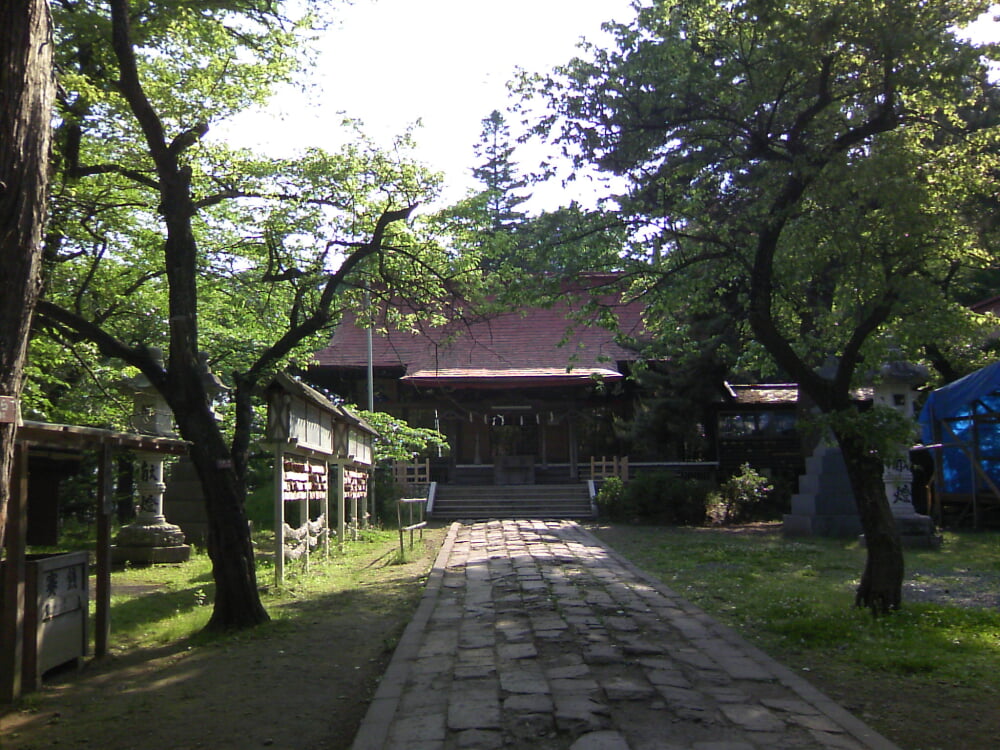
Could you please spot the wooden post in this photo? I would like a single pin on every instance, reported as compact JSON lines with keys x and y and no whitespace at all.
{"x":356,"y":525}
{"x":102,"y":593}
{"x":574,"y":449}
{"x":279,"y":513}
{"x":938,"y":476}
{"x":974,"y":460}
{"x":369,"y":498}
{"x":12,"y":620}
{"x":338,"y":486}
{"x":325,"y":501}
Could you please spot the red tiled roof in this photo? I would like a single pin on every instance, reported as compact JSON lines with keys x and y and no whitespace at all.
{"x":534,"y":346}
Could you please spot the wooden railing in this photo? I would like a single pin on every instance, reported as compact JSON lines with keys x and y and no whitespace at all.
{"x":604,"y":467}
{"x":411,"y":473}
{"x":420,"y":503}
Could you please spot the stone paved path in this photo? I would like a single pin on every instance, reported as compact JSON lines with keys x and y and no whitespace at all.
{"x":532,"y":634}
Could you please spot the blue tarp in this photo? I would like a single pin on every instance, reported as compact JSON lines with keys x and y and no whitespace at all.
{"x":947,"y":417}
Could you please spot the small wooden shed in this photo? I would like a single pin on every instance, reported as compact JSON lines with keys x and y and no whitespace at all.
{"x":758,"y":424}
{"x":21,"y":664}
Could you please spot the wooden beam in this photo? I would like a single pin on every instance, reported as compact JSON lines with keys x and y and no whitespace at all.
{"x":972,"y":453}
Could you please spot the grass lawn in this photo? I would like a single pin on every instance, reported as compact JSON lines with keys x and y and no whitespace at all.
{"x":927,"y":676}
{"x":160,"y":604}
{"x":304,"y":679}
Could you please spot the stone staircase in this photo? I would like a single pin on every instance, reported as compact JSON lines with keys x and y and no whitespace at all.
{"x":512,"y":501}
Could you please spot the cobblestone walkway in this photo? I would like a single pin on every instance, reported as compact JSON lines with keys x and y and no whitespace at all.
{"x":532,"y":634}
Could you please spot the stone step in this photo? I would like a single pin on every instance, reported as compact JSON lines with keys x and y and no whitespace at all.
{"x":539,"y":512}
{"x":512,"y":501}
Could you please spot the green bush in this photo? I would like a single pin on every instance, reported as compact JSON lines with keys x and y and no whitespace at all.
{"x":738,"y":498}
{"x":654,"y":497}
{"x":610,"y":497}
{"x":387,"y":492}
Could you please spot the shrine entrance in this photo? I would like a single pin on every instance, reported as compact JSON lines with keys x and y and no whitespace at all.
{"x":513,"y":447}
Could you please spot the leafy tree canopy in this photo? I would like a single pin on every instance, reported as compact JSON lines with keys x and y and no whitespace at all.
{"x":161,"y":240}
{"x":397,"y":440}
{"x":270,"y":231}
{"x":818,"y":163}
{"x":809,"y":172}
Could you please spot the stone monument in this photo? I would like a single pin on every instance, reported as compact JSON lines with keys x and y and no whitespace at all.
{"x":824,"y":505}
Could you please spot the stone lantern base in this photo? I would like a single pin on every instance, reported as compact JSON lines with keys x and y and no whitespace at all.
{"x":159,"y":542}
{"x":917,"y":531}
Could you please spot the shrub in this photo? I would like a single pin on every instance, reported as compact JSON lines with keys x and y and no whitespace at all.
{"x":387,"y":492}
{"x":739,"y":497}
{"x":610,"y":498}
{"x":663,"y":497}
{"x":260,"y":506}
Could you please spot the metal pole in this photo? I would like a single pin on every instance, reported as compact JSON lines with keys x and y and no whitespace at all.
{"x":370,"y":494}
{"x":371,"y":365}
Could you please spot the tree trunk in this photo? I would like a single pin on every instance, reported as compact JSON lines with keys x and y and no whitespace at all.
{"x":26,"y":91}
{"x":881,"y":588}
{"x":237,"y":601}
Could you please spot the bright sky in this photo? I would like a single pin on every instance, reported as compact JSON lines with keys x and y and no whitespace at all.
{"x":443,"y":62}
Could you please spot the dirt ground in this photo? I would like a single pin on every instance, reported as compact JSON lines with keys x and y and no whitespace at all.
{"x":304,"y":685}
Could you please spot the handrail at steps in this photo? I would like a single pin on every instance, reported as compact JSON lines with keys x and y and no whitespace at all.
{"x":410,"y":503}
{"x":592,"y":496}
{"x":431,"y":494}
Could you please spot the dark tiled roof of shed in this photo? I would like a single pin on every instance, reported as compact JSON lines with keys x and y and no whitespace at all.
{"x":989,"y":305}
{"x":765,"y":393}
{"x":779,"y":393}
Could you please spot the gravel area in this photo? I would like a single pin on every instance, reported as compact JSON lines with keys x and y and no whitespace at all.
{"x":966,"y":588}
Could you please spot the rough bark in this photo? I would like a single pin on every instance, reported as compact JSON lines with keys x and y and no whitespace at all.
{"x":26,"y":91}
{"x":881,"y":584}
{"x":237,"y":602}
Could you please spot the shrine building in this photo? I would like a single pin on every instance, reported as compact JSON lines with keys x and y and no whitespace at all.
{"x":523,"y":397}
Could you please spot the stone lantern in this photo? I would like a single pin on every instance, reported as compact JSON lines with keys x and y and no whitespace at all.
{"x":214,"y":387}
{"x":150,"y":538}
{"x":896,"y":389}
